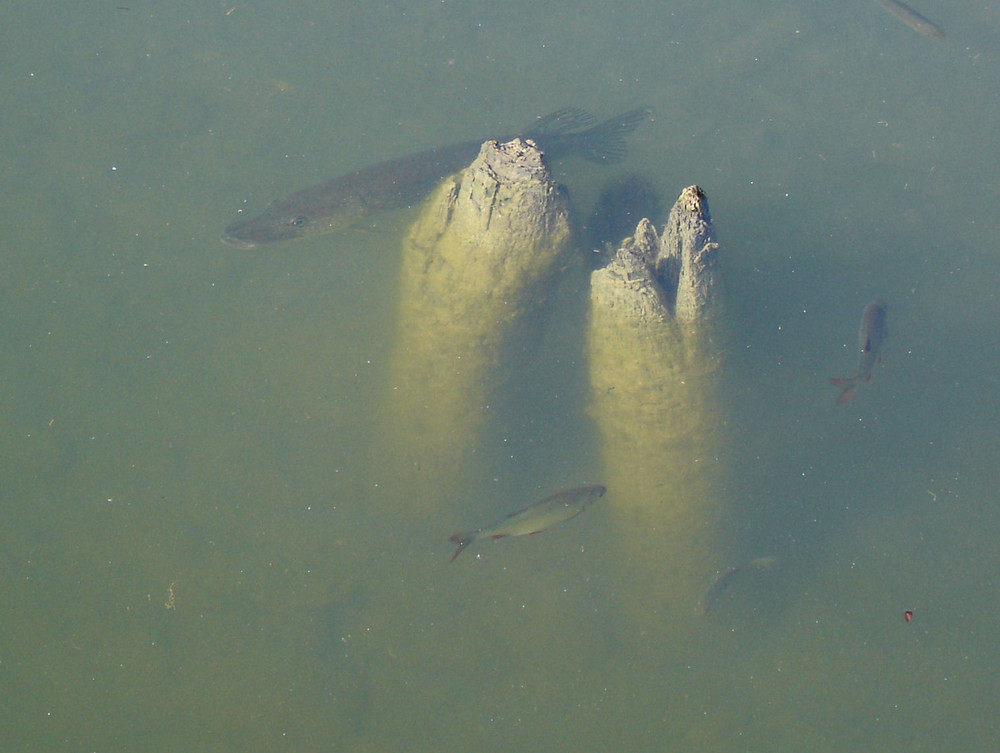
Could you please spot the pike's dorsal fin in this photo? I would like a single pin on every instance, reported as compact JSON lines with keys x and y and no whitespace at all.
{"x":605,"y":142}
{"x":566,"y":120}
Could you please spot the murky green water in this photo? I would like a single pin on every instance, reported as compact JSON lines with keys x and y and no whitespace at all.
{"x":201,"y":544}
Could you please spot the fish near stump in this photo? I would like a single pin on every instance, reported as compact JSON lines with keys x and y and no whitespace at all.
{"x":475,"y":268}
{"x":653,"y":359}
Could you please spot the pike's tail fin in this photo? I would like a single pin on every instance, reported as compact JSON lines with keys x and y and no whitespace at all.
{"x":849,"y":386}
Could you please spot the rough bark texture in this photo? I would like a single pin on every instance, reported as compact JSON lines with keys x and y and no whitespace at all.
{"x":653,"y":363}
{"x":474,"y":272}
{"x":688,"y":249}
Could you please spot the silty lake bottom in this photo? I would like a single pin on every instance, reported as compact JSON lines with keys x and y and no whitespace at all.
{"x":202,"y":544}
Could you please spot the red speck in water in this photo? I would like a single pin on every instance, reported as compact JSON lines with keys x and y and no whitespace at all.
{"x":907,"y":615}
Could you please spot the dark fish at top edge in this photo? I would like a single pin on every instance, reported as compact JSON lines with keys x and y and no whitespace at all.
{"x":911,"y":18}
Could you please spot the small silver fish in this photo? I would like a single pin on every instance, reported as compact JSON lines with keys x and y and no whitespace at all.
{"x":871,"y":335}
{"x":550,"y":512}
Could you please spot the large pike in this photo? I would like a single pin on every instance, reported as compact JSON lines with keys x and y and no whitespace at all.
{"x":550,"y":512}
{"x":871,"y":335}
{"x":404,"y":181}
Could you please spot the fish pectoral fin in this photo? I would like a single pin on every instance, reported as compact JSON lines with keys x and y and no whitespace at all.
{"x":463,"y":540}
{"x":458,"y":551}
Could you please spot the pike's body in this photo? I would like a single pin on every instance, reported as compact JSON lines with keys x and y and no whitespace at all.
{"x":404,"y":181}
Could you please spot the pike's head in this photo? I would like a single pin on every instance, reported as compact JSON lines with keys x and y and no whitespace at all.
{"x":288,"y":219}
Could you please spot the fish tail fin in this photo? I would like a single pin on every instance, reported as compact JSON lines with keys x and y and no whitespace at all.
{"x":849,"y":386}
{"x":604,"y":143}
{"x":463,"y":540}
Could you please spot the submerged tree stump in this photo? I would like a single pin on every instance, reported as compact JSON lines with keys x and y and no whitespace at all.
{"x":474,"y":272}
{"x":654,"y":359}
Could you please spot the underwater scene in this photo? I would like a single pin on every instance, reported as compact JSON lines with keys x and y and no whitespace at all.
{"x":432,"y":376}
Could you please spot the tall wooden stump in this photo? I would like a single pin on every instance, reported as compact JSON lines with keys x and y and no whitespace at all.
{"x":654,"y":359}
{"x":474,"y":272}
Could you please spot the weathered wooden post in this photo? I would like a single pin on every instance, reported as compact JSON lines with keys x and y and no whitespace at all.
{"x":654,"y":358}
